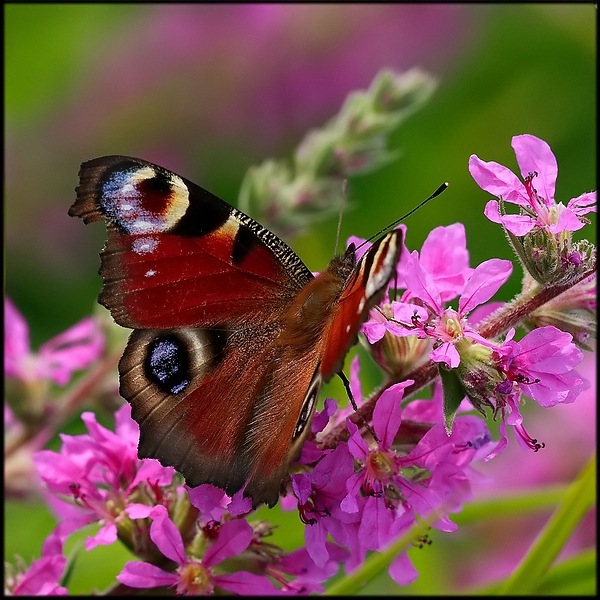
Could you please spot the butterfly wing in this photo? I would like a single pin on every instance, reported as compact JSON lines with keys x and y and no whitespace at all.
{"x":205,"y":287}
{"x":178,"y":256}
{"x":221,"y":406}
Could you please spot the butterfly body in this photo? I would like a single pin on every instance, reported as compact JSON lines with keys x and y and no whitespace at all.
{"x":233,"y":336}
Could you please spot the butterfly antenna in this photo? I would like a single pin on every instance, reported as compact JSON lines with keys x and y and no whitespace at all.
{"x":440,"y":189}
{"x":346,"y":383}
{"x":342,"y":208}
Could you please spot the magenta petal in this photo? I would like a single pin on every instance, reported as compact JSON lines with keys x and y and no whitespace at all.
{"x":373,"y":331}
{"x":498,"y":180}
{"x":567,"y":221}
{"x":144,"y":575}
{"x":492,"y":211}
{"x":583,"y":204}
{"x":70,"y":351}
{"x":246,"y":584}
{"x":106,"y":536}
{"x":234,"y":538}
{"x":355,"y":383}
{"x":420,"y":283}
{"x":209,"y":500}
{"x":375,"y":524}
{"x":152,"y":471}
{"x":55,"y":541}
{"x":444,"y":253}
{"x":485,"y":281}
{"x":302,"y":487}
{"x":387,"y":413}
{"x":535,"y":156}
{"x":548,"y":349}
{"x":42,"y":577}
{"x":518,"y":225}
{"x":166,"y":536}
{"x":353,"y":485}
{"x":357,"y":445}
{"x":240,"y":504}
{"x":315,"y":537}
{"x":446,"y":353}
{"x":137,"y":510}
{"x":402,"y":571}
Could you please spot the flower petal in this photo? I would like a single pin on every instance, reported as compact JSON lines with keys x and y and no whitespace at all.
{"x":485,"y":281}
{"x":498,"y":180}
{"x":387,"y":414}
{"x":70,"y":351}
{"x":402,"y":570}
{"x":16,"y":339}
{"x":535,"y":155}
{"x":144,"y":575}
{"x":583,"y":204}
{"x":246,"y":584}
{"x":165,"y":534}
{"x":234,"y":538}
{"x":446,"y":353}
{"x":518,"y":225}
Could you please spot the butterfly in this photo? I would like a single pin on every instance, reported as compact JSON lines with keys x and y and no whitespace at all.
{"x":232,"y":335}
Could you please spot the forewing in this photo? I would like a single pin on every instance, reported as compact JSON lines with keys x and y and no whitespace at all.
{"x":177,"y":255}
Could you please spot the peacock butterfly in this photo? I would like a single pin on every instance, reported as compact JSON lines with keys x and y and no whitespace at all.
{"x":232,"y":334}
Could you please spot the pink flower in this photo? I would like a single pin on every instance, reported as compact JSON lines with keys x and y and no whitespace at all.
{"x":319,"y":494}
{"x":382,"y":492}
{"x":444,"y":257}
{"x":542,"y":365}
{"x":446,"y":326}
{"x":57,"y":359}
{"x":193,"y":575}
{"x":535,"y":194}
{"x":41,"y":579}
{"x":100,"y":472}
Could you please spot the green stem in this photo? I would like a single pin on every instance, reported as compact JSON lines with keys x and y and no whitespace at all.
{"x":578,"y":570}
{"x":380,"y":561}
{"x":579,"y":498}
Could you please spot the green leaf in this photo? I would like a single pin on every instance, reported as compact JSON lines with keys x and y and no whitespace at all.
{"x":580,"y":497}
{"x":454,"y":393}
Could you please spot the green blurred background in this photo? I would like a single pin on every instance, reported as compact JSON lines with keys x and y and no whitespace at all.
{"x":209,"y":90}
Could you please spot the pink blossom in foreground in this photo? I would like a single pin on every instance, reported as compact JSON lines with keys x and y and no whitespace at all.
{"x":448,"y":327}
{"x":42,"y":578}
{"x":99,"y":472}
{"x":363,"y":495}
{"x":196,"y":575}
{"x":535,"y":194}
{"x":444,"y":256}
{"x":57,"y":359}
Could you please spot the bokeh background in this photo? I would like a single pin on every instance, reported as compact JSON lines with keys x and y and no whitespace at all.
{"x":209,"y":90}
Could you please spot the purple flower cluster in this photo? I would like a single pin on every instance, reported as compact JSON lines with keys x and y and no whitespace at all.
{"x":358,"y":494}
{"x":364,"y":493}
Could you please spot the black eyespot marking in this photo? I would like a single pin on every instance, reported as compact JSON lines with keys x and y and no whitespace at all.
{"x":307,"y":407}
{"x":243,"y":243}
{"x":168,"y":364}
